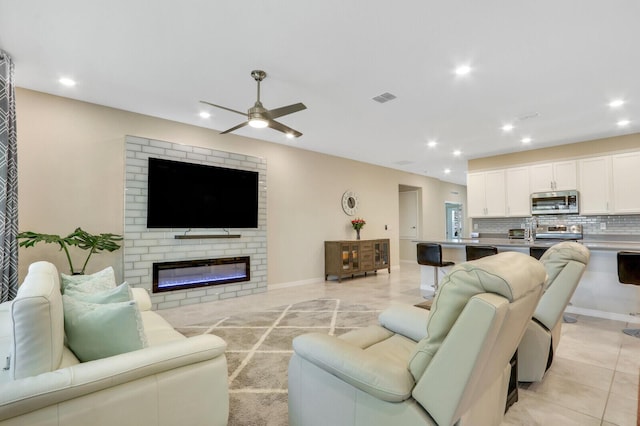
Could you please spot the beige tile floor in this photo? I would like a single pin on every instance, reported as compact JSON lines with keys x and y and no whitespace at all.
{"x":593,"y":380}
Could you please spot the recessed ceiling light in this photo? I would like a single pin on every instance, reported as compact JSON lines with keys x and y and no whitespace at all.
{"x":67,"y":82}
{"x":432,"y":144}
{"x":623,"y":123}
{"x":616,"y":103}
{"x":447,"y":171}
{"x":205,"y":114}
{"x":526,"y":139}
{"x":289,"y":135}
{"x":457,"y":153}
{"x":507,"y":127}
{"x":463,"y":70}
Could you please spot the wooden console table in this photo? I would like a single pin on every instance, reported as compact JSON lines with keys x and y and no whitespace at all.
{"x":351,"y":257}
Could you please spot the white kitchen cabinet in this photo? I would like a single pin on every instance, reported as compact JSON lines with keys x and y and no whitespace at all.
{"x":558,"y":176}
{"x":595,"y":185}
{"x":625,"y":169}
{"x":486,"y":194}
{"x":476,"y":201}
{"x":518,"y":201}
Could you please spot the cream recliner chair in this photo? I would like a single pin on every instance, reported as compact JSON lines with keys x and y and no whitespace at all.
{"x":565,"y":263}
{"x":417,"y":367}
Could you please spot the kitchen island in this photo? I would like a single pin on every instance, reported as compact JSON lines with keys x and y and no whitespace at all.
{"x":599,"y":292}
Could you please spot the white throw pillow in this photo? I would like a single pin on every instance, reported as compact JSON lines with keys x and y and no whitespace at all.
{"x":122,"y":293}
{"x":99,"y":281}
{"x":96,"y":331}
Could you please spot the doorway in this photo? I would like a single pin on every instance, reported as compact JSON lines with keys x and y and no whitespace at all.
{"x":409,"y":215}
{"x":409,"y":221}
{"x":453,"y":215}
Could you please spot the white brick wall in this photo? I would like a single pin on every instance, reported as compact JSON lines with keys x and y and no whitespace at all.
{"x":143,"y":247}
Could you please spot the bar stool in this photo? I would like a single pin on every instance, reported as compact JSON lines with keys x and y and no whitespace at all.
{"x":629,"y":273}
{"x":476,"y":252}
{"x":537,"y":252}
{"x":430,"y":254}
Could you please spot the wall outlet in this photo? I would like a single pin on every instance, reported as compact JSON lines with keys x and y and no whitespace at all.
{"x":603,"y":226}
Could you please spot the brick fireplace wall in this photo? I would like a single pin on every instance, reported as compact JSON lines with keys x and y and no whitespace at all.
{"x":143,"y":247}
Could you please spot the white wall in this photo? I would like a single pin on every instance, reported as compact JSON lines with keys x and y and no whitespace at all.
{"x":71,"y":173}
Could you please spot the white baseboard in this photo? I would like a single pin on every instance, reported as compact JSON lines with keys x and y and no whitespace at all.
{"x":296,"y":283}
{"x":602,"y":314}
{"x":312,"y":281}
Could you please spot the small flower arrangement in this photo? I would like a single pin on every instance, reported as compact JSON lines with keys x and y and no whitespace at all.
{"x":358,"y":223}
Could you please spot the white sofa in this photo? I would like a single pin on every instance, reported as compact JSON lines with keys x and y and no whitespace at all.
{"x":174,"y":381}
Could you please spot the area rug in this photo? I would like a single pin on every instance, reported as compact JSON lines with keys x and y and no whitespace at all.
{"x":260,"y":346}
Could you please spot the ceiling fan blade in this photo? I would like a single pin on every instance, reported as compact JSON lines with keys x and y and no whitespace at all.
{"x":284,"y":129}
{"x":228,"y":109}
{"x":235,"y":128}
{"x":289,"y":109}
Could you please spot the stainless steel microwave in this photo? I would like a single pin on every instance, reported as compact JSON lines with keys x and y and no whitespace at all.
{"x":558,"y":202}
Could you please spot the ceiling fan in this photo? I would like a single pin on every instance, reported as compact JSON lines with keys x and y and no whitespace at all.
{"x":260,"y":117}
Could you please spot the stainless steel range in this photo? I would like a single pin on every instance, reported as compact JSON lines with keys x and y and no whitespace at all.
{"x":559,"y":232}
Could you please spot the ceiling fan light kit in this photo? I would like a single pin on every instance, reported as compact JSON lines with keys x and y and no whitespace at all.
{"x":258,"y":123}
{"x":259,"y":117}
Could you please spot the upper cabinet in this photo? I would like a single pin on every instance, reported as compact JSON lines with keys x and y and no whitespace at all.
{"x":595,"y":185}
{"x":553,"y":176}
{"x":486,"y":194}
{"x":517,"y":196}
{"x":607,"y":185}
{"x":626,"y":190}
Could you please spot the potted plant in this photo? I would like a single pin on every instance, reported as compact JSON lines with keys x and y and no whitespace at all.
{"x":79,"y":238}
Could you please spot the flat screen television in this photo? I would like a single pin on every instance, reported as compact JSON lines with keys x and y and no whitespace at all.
{"x":188,"y":195}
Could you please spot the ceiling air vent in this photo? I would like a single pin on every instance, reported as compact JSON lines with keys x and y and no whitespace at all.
{"x":528,"y":116}
{"x":385,"y":97}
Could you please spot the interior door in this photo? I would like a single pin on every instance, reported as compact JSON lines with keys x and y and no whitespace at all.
{"x":409,"y":215}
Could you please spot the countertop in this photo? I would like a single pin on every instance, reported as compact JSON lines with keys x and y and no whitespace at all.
{"x":592,"y":244}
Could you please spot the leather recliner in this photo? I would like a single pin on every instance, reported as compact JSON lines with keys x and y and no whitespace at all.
{"x":565,"y":263}
{"x":418,"y":367}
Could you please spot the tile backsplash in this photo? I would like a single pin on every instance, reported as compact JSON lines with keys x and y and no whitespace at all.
{"x":597,"y":226}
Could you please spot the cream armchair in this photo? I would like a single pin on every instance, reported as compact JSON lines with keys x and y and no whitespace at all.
{"x":416,"y":367}
{"x":565,"y":263}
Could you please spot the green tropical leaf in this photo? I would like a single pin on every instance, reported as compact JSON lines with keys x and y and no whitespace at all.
{"x":79,"y":238}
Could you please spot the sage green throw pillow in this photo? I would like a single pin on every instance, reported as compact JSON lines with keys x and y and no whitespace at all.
{"x":99,"y":281}
{"x":122,"y":293}
{"x":96,"y":331}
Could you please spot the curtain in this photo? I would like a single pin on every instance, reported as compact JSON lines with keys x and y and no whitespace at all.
{"x":8,"y":182}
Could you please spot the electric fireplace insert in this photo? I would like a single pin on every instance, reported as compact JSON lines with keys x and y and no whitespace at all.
{"x":170,"y":276}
